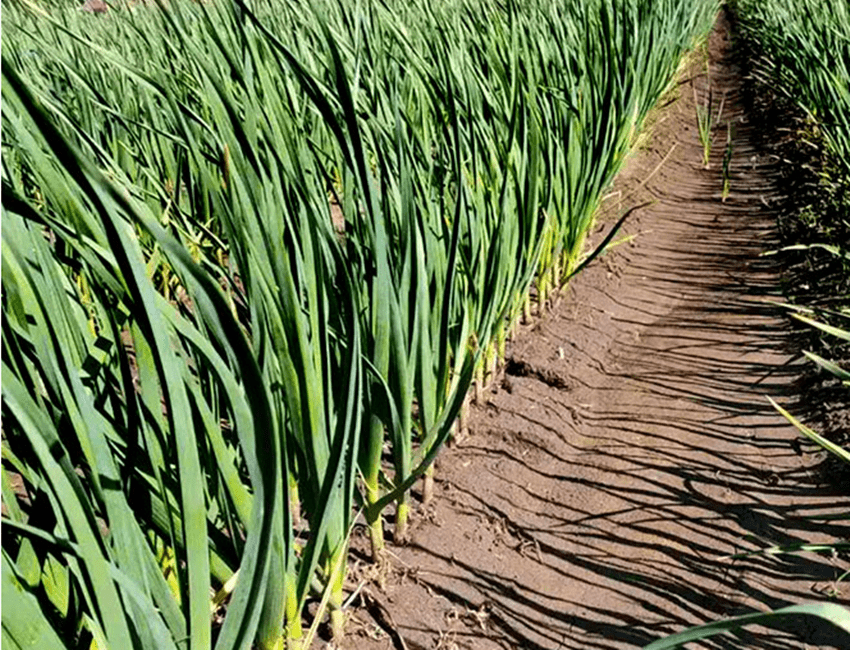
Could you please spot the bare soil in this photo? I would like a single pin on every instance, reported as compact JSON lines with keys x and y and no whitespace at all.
{"x":628,"y":449}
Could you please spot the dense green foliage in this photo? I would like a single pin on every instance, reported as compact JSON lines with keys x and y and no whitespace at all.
{"x":807,"y":43}
{"x":204,"y":381}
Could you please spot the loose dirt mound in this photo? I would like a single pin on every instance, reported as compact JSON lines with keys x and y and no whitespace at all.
{"x":630,"y":446}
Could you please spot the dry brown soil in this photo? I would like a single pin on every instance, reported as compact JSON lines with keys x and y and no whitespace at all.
{"x":629,"y":447}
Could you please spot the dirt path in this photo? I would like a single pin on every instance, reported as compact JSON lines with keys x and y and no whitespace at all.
{"x":630,"y":445}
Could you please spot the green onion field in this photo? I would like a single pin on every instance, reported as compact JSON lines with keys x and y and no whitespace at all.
{"x":331,"y":323}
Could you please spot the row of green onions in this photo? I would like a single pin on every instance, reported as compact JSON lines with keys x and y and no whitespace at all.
{"x":805,"y":47}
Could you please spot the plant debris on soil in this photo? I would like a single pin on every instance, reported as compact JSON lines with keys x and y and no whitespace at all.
{"x":629,"y":450}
